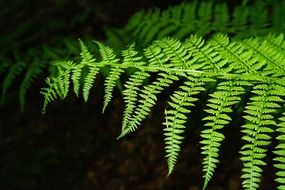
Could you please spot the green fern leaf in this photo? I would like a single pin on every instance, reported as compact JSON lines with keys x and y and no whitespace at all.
{"x":176,"y":117}
{"x":226,"y":95}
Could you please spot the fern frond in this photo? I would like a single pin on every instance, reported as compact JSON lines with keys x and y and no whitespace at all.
{"x":219,"y":107}
{"x":233,"y":65}
{"x":169,"y":18}
{"x":257,"y":131}
{"x":176,"y":117}
{"x":280,"y":154}
{"x":203,"y":18}
{"x":88,"y":60}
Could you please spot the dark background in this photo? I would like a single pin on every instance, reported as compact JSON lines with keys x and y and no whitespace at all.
{"x":73,"y":146}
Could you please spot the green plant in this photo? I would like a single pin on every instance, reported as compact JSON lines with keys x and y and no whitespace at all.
{"x":230,"y":56}
{"x":250,"y":66}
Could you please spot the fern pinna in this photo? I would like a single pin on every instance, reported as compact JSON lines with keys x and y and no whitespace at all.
{"x":250,"y":66}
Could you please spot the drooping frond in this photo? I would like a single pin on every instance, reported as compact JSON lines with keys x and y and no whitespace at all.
{"x":204,"y":15}
{"x":257,"y":131}
{"x":240,"y":18}
{"x":86,"y":59}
